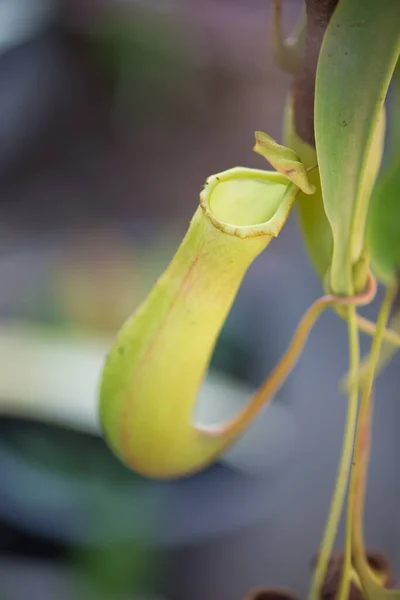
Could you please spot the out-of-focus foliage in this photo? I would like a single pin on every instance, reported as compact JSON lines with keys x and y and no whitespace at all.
{"x":145,"y":56}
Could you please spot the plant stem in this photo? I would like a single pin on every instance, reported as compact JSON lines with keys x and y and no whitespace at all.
{"x":336,"y":507}
{"x":363,"y":440}
{"x":353,"y":402}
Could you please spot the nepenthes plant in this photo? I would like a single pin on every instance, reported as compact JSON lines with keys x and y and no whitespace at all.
{"x":343,"y":58}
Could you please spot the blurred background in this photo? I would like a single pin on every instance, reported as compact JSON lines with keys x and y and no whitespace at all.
{"x":112,"y":115}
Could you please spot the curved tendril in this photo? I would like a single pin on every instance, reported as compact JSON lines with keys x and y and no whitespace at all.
{"x":289,"y":359}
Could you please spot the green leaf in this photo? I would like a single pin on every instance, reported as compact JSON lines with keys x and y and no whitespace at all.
{"x":384,"y":225}
{"x":314,"y":224}
{"x":357,"y":59}
{"x":383,"y":233}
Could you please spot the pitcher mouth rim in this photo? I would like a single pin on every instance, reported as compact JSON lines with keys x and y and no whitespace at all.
{"x":272,"y":226}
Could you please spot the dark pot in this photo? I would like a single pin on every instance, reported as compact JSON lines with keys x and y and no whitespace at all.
{"x":271,"y":594}
{"x":377,"y":561}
